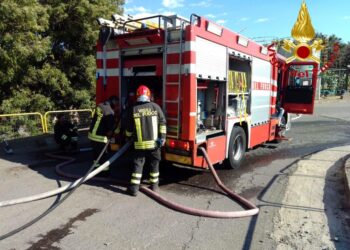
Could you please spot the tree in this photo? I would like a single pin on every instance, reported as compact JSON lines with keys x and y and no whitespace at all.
{"x":329,"y":42}
{"x":345,"y":56}
{"x":333,"y":78}
{"x":345,"y":61}
{"x":23,"y":46}
{"x":47,"y":53}
{"x":74,"y":33}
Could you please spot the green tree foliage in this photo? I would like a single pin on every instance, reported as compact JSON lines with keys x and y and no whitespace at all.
{"x":345,"y":62}
{"x":329,"y":42}
{"x":74,"y":33}
{"x":345,"y":55}
{"x":337,"y":76}
{"x":47,"y":53}
{"x":22,"y":44}
{"x":329,"y":80}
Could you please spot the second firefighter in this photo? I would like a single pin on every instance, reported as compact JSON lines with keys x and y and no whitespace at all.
{"x":147,"y":125}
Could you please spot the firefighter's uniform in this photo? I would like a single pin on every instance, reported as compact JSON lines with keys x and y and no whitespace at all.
{"x":102,"y":124}
{"x":147,"y":125}
{"x":66,"y":134}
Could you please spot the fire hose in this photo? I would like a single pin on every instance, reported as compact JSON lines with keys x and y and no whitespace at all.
{"x":252,"y":209}
{"x":72,"y":185}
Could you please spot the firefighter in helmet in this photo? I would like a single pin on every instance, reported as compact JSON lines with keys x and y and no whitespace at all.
{"x":66,"y":134}
{"x":101,"y":128}
{"x":147,"y":125}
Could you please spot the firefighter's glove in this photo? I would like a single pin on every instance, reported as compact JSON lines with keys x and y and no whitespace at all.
{"x":64,"y":137}
{"x":160,"y":142}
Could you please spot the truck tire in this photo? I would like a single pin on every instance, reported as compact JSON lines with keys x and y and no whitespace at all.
{"x":237,"y":147}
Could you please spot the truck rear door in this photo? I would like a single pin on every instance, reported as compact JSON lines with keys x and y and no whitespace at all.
{"x":298,"y":87}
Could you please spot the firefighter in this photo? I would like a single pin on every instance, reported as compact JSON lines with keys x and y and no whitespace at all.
{"x":101,"y":128}
{"x":146,"y":124}
{"x":121,"y":121}
{"x":66,"y":134}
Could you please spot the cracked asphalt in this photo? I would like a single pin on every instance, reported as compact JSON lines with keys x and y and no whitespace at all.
{"x":101,"y":216}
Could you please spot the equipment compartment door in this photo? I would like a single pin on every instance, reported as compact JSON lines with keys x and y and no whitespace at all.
{"x":299,"y":85}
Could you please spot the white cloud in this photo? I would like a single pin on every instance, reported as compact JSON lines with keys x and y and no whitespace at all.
{"x":243,"y":19}
{"x":135,"y":10}
{"x":220,"y":21}
{"x":205,"y":4}
{"x":173,"y":3}
{"x":262,"y":20}
{"x":210,"y":16}
{"x":128,"y":1}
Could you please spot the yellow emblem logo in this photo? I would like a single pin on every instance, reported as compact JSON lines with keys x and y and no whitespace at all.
{"x":303,"y":32}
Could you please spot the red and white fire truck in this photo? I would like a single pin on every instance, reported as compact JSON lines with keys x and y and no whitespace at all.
{"x":218,"y":89}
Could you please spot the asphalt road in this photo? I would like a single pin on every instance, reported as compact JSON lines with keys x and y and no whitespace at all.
{"x":100,"y":216}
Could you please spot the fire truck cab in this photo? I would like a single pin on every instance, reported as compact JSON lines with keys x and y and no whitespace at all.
{"x":217,"y":88}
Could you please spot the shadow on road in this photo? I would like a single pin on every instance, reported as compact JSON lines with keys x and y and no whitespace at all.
{"x":31,"y":152}
{"x":336,"y":209}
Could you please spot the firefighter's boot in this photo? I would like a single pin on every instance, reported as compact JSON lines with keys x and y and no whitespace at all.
{"x":154,"y":187}
{"x":133,"y":190}
{"x":154,"y":180}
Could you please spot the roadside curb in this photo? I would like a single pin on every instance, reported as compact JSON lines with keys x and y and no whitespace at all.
{"x":334,"y":118}
{"x":347,"y":180}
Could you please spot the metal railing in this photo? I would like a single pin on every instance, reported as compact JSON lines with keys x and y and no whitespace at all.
{"x":79,"y":117}
{"x":20,"y":125}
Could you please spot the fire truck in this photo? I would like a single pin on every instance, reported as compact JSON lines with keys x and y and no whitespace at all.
{"x":217,"y":88}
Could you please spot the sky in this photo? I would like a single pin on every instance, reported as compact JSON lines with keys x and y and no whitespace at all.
{"x":260,"y":20}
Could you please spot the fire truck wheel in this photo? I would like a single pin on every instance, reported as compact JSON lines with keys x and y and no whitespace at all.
{"x":237,"y":147}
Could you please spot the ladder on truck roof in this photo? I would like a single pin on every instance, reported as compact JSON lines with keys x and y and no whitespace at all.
{"x":173,"y":27}
{"x":172,"y":89}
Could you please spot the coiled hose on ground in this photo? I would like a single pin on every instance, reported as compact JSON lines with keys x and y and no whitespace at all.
{"x":72,"y":185}
{"x":252,"y":209}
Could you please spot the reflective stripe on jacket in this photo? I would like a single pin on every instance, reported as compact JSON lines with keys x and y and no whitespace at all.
{"x":102,"y":122}
{"x":147,"y":124}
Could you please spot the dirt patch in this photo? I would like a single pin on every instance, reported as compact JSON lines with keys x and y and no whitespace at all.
{"x":15,"y":170}
{"x":56,"y":235}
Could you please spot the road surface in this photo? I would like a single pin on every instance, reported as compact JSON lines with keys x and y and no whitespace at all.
{"x":99,"y":216}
